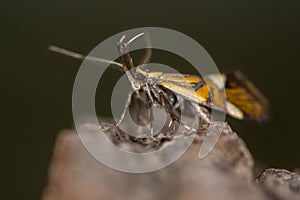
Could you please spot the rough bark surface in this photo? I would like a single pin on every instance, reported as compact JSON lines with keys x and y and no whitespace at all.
{"x":280,"y":183}
{"x":226,"y":173}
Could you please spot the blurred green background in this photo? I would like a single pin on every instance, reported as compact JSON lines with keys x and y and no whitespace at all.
{"x":261,"y":38}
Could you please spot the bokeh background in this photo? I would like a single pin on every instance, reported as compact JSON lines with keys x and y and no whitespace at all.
{"x":261,"y":38}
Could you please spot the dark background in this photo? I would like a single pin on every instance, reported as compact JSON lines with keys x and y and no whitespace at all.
{"x":261,"y":38}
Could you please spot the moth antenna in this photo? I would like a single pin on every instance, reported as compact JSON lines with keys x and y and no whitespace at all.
{"x":122,"y":39}
{"x":81,"y":56}
{"x":135,"y":37}
{"x":146,"y":58}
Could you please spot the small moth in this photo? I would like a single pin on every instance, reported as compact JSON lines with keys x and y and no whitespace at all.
{"x":167,"y":90}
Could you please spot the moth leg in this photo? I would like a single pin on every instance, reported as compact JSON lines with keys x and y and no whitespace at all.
{"x":168,"y":107}
{"x":170,"y":110}
{"x":150,"y":103}
{"x":148,"y":53}
{"x":146,"y":57}
{"x":201,"y":113}
{"x":128,"y":102}
{"x":148,"y":92}
{"x":179,"y":104}
{"x":151,"y":124}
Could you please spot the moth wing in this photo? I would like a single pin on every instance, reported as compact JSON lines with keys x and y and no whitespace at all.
{"x":244,"y":95}
{"x":194,"y":89}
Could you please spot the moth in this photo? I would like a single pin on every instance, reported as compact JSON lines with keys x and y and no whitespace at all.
{"x":168,"y":90}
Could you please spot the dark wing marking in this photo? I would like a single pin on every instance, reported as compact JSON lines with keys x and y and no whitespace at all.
{"x":243,"y":94}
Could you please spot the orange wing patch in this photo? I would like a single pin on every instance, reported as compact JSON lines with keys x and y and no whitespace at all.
{"x":195,"y":89}
{"x":243,"y":94}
